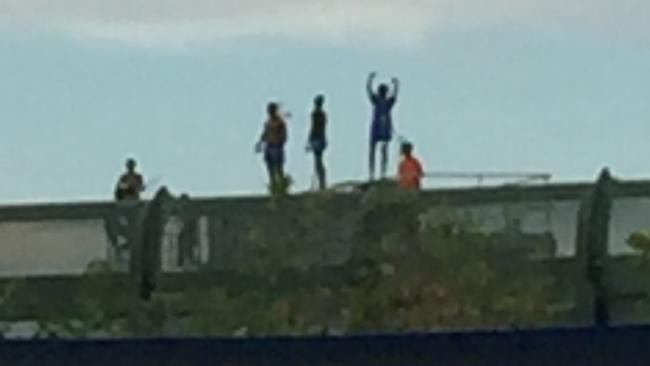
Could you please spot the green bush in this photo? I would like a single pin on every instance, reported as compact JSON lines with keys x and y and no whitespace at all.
{"x":413,"y":269}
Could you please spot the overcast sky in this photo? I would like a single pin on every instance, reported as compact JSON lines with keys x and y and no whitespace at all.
{"x":507,"y":85}
{"x":168,"y":21}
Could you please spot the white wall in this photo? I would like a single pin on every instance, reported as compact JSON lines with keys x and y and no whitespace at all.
{"x":50,"y":247}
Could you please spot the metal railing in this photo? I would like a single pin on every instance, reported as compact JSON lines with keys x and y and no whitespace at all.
{"x":480,"y":177}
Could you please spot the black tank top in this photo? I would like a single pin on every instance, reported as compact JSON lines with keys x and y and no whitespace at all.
{"x":318,"y":122}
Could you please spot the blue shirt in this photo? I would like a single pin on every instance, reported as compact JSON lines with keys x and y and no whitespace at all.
{"x":382,"y":109}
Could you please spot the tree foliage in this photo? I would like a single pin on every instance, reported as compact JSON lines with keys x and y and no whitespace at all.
{"x":412,"y":268}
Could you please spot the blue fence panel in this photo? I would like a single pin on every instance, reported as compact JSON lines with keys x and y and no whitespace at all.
{"x":558,"y":347}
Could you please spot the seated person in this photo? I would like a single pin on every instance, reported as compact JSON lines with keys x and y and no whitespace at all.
{"x":130,"y":184}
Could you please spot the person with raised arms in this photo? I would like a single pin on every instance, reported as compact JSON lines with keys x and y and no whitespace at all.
{"x":381,"y":127}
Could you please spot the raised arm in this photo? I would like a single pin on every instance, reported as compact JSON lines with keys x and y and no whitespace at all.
{"x":395,"y":82}
{"x":369,"y":84}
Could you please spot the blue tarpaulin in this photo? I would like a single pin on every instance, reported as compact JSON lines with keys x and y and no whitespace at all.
{"x":571,"y":346}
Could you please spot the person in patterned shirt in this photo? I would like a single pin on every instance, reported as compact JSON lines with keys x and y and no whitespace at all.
{"x":272,"y":142}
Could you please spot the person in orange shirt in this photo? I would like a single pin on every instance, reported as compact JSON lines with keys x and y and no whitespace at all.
{"x":410,"y":169}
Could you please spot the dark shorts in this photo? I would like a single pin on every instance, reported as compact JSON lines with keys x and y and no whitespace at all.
{"x":318,"y":146}
{"x":274,"y":156}
{"x":380,"y":133}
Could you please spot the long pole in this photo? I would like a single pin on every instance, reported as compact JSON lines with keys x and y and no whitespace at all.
{"x":481,"y":176}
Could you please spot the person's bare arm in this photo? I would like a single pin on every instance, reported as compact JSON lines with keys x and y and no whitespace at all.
{"x":259,"y":145}
{"x":142,"y":184}
{"x":285,"y":134}
{"x":395,"y":82}
{"x":369,"y":85}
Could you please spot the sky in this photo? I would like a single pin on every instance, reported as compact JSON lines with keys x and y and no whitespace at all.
{"x":558,"y":86}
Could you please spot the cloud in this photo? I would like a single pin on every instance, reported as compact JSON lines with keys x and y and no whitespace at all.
{"x":173,"y":20}
{"x":156,"y":21}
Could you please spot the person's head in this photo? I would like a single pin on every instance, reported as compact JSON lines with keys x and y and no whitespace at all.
{"x":407,"y":149}
{"x":319,"y":101}
{"x":272,"y":109}
{"x":131,"y":165}
{"x":383,"y":90}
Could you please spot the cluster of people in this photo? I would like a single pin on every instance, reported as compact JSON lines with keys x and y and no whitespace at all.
{"x":383,"y":100}
{"x":275,"y":135}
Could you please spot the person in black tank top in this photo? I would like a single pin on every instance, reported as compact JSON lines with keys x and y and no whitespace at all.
{"x":317,"y":140}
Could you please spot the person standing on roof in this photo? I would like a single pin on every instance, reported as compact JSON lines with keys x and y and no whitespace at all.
{"x":317,"y":141}
{"x":381,"y":129}
{"x":272,"y":141}
{"x":410,"y":169}
{"x":131,"y":184}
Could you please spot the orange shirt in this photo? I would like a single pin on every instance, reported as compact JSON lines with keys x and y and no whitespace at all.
{"x":410,"y":173}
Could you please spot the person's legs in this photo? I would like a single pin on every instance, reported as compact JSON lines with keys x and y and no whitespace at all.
{"x":280,"y":176}
{"x":271,"y":167}
{"x":384,"y":158}
{"x":277,"y":177}
{"x":320,"y":168}
{"x":270,"y":170}
{"x":371,"y":158}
